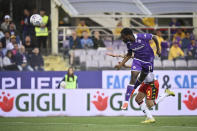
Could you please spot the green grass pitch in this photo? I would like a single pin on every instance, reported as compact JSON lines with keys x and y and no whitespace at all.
{"x":186,"y":123}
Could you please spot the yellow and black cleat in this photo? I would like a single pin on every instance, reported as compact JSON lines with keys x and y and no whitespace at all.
{"x":170,"y":93}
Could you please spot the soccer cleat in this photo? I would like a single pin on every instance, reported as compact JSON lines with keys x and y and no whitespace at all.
{"x":125,"y":105}
{"x":169,"y":93}
{"x":150,"y":120}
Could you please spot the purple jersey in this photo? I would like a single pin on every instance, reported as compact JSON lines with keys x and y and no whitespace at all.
{"x":141,"y":47}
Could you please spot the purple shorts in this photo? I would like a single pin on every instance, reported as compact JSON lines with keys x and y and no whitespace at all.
{"x":139,"y":65}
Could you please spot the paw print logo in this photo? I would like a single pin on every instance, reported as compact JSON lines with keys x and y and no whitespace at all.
{"x":101,"y":102}
{"x":191,"y":103}
{"x":6,"y":103}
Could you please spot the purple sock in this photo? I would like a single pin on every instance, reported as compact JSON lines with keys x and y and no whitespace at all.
{"x":137,"y":83}
{"x":130,"y":88}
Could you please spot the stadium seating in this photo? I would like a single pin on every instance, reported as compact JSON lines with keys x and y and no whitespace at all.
{"x":92,"y":65}
{"x":192,"y":64}
{"x":168,"y":64}
{"x":97,"y":60}
{"x":158,"y":64}
{"x":105,"y":65}
{"x":55,"y":63}
{"x":181,"y":64}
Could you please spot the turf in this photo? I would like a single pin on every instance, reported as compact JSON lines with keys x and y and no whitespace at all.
{"x":186,"y":123}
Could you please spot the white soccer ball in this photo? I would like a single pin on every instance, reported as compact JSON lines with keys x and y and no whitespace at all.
{"x":36,"y":19}
{"x":63,"y":84}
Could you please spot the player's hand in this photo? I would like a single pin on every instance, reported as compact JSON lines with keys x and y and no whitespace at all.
{"x":158,"y":52}
{"x":118,"y":66}
{"x":111,"y":54}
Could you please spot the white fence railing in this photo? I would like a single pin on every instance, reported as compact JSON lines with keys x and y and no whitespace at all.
{"x":64,"y":32}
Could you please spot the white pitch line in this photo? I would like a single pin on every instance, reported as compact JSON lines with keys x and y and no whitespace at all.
{"x":92,"y":124}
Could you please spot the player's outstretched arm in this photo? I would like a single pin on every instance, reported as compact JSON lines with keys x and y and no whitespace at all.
{"x":157,"y":45}
{"x":117,"y":55}
{"x":114,"y":55}
{"x":126,"y":58}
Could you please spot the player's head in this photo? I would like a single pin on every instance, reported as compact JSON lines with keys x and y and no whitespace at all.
{"x":127,"y":35}
{"x":70,"y":71}
{"x":42,"y":12}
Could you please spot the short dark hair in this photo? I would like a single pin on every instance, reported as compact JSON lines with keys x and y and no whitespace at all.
{"x":42,"y":9}
{"x":126,"y":31}
{"x":9,"y":51}
{"x":6,"y":32}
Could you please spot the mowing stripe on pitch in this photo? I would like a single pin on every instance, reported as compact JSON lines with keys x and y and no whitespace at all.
{"x":91,"y":124}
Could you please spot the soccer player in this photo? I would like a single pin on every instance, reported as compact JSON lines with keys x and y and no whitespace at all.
{"x":142,"y":61}
{"x":149,"y":89}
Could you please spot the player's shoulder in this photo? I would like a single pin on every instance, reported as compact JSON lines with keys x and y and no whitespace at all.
{"x":143,"y":35}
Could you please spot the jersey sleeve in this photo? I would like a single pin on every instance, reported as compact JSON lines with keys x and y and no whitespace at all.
{"x":146,"y":36}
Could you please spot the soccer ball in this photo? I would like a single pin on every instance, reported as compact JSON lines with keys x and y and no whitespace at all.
{"x":36,"y":19}
{"x":63,"y":84}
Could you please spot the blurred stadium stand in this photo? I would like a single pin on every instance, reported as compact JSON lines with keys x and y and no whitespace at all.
{"x":108,"y":18}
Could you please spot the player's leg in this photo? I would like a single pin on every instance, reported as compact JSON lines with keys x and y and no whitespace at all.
{"x":135,"y":70}
{"x":130,"y":89}
{"x":140,"y":100}
{"x":162,"y":96}
{"x":151,"y":93}
{"x":146,"y":68}
{"x":140,"y":79}
{"x":150,"y":118}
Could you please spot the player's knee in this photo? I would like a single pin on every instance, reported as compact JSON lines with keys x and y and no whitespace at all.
{"x":149,"y":104}
{"x":138,"y":100}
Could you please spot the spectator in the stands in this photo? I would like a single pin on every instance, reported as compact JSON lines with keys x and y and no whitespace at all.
{"x":16,"y":49}
{"x":118,"y":29}
{"x":159,"y":37}
{"x":192,"y":50}
{"x":36,"y":60}
{"x":179,"y":35}
{"x":86,"y":42}
{"x":185,"y":43}
{"x":1,"y":62}
{"x":98,"y":42}
{"x":2,"y":50}
{"x":153,"y":46}
{"x":42,"y":31}
{"x":5,"y":40}
{"x":6,"y":23}
{"x":175,"y":52}
{"x":1,"y":34}
{"x":165,"y":45}
{"x":8,"y":63}
{"x":13,"y":31}
{"x":82,"y":27}
{"x":174,"y":23}
{"x":28,"y":29}
{"x":28,"y":44}
{"x":74,"y":41}
{"x":22,"y":60}
{"x":10,"y":46}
